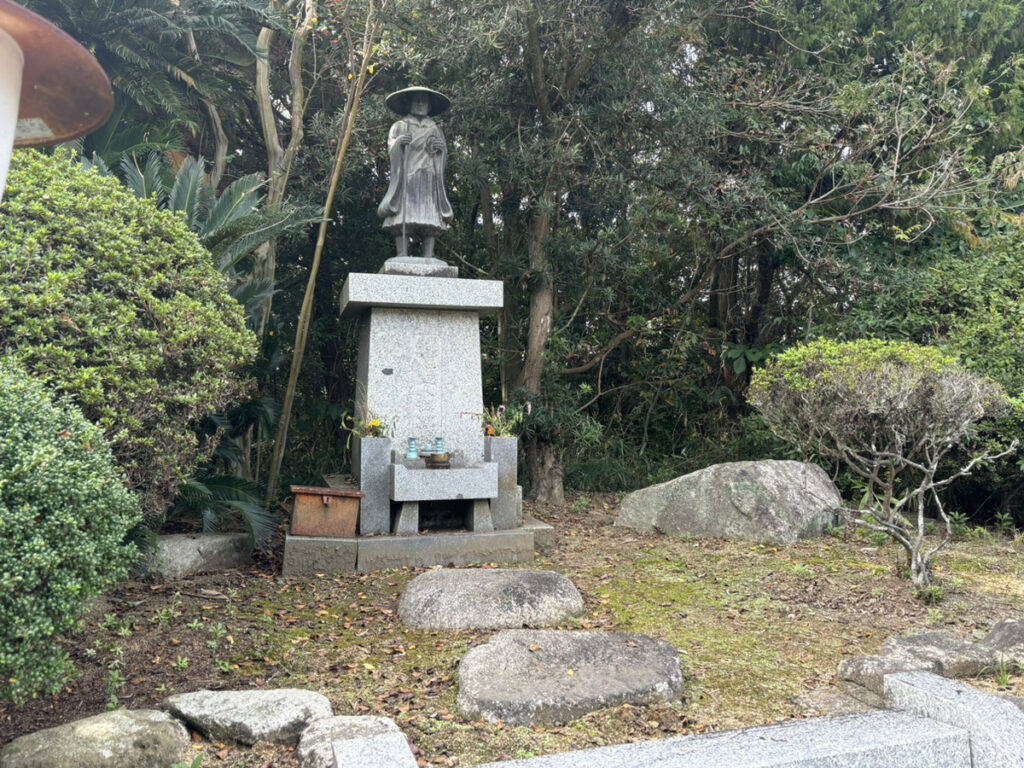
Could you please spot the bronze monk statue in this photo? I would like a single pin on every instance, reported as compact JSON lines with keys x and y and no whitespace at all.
{"x":416,"y":204}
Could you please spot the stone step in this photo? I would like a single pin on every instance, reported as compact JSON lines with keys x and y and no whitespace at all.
{"x":872,"y":740}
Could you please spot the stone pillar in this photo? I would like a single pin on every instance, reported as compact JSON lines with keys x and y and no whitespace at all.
{"x":371,"y":464}
{"x":506,"y":510}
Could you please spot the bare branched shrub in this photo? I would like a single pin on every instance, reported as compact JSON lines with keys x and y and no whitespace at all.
{"x":891,"y":412}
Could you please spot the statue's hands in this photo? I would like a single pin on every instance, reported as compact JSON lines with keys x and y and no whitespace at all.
{"x":435,"y":145}
{"x":404,"y":139}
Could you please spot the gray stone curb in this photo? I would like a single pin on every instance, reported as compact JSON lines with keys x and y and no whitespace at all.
{"x":873,"y":740}
{"x":996,"y":726}
{"x":389,"y":750}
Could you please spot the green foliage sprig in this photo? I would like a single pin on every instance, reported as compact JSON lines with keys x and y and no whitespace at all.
{"x":370,"y":426}
{"x":505,"y":421}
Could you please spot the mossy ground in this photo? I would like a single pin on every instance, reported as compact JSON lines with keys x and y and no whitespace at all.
{"x":760,"y":631}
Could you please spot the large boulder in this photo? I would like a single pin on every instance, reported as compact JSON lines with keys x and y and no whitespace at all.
{"x":488,"y":598}
{"x":770,"y":502}
{"x":123,"y":738}
{"x":548,"y":677}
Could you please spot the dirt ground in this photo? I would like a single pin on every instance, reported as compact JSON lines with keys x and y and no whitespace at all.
{"x":760,"y":631}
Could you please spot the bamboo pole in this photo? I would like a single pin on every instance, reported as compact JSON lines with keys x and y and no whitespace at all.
{"x":370,"y":32}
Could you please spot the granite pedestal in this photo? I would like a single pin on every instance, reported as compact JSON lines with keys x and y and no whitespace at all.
{"x":419,"y":373}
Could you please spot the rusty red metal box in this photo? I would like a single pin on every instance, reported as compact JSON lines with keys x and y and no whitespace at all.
{"x":325,"y":512}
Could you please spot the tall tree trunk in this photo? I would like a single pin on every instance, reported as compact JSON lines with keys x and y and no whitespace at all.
{"x":543,"y":469}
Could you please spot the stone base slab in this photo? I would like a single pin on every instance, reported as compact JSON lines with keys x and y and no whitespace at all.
{"x":996,"y":725}
{"x":379,"y":552}
{"x":309,"y":555}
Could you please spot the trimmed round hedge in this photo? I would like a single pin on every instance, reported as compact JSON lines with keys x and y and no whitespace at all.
{"x":64,"y":517}
{"x":117,"y":304}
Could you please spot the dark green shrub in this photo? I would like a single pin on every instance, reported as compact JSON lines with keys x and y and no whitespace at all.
{"x":109,"y":300}
{"x":64,"y":515}
{"x":890,"y":412}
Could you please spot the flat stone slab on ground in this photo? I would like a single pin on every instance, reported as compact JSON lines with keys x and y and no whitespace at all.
{"x":143,"y":738}
{"x":452,"y":598}
{"x":996,"y":725}
{"x":316,"y":745}
{"x":872,"y":740}
{"x":953,"y":656}
{"x":546,"y":677}
{"x":278,"y":716}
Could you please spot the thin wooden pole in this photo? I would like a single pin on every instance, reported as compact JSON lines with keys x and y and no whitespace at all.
{"x":301,"y":333}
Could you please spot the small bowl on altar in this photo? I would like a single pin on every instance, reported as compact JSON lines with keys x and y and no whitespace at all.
{"x":438,"y":461}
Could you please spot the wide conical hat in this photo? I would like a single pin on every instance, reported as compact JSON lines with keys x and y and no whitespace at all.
{"x":64,"y":92}
{"x":399,"y":101}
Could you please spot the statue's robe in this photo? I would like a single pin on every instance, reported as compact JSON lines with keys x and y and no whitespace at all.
{"x":416,"y":195}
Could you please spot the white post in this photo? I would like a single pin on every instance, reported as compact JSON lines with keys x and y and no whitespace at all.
{"x":11,"y":64}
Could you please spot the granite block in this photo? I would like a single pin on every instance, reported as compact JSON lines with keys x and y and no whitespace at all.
{"x":996,"y":726}
{"x":364,"y":290}
{"x":952,"y":655}
{"x":310,"y":555}
{"x":316,"y":744}
{"x":379,"y":552}
{"x":872,"y":740}
{"x":385,"y":750}
{"x":419,"y":370}
{"x":371,"y":464}
{"x":506,"y":509}
{"x":479,"y":482}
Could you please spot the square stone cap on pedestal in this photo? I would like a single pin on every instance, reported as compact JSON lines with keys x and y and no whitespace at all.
{"x":363,"y":291}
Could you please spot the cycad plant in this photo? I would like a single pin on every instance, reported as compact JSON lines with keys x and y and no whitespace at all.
{"x":231,"y":224}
